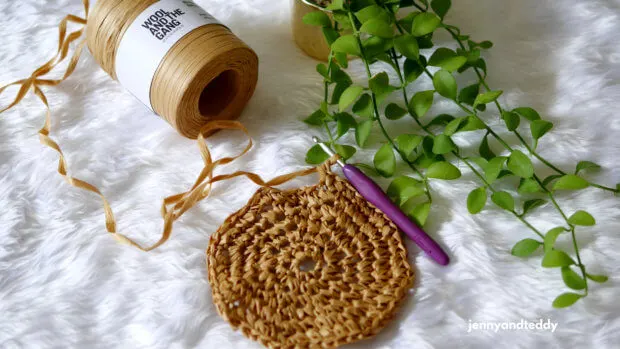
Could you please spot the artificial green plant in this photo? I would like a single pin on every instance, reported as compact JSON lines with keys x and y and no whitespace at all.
{"x":378,"y":31}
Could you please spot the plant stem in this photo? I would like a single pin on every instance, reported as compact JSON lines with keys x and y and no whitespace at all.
{"x":420,"y":7}
{"x":378,"y":115}
{"x":529,"y":148}
{"x":326,"y":96}
{"x":540,"y":183}
{"x":572,"y":231}
{"x":466,"y":161}
{"x":531,"y":151}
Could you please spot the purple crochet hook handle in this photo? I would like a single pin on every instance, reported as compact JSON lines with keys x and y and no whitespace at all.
{"x":375,"y":195}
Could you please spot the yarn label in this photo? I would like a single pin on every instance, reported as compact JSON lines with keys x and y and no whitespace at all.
{"x":149,"y":38}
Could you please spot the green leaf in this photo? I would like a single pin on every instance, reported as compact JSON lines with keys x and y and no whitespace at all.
{"x":445,"y":84}
{"x":472,"y":56}
{"x":420,"y":213}
{"x":345,"y":122}
{"x":572,"y":279}
{"x":407,"y":21}
{"x":441,"y":7}
{"x":394,"y":112}
{"x":443,"y":145}
{"x":317,"y":18}
{"x":484,"y":150}
{"x":443,"y":170}
{"x":425,"y":42}
{"x":380,"y":85}
{"x":363,"y":106}
{"x":582,"y":218}
{"x":476,"y":200}
{"x":586,"y":165}
{"x":385,"y":161}
{"x":340,"y":76}
{"x":357,"y":5}
{"x":480,"y":161}
{"x":316,"y":155}
{"x":520,"y":164}
{"x":487,"y":97}
{"x":504,"y":173}
{"x":407,"y":45}
{"x":482,"y":65}
{"x":413,"y":70}
{"x":529,"y":205}
{"x":375,"y":47}
{"x":525,"y":248}
{"x":528,"y":113}
{"x":528,"y":186}
{"x":342,"y":18}
{"x":493,"y":168}
{"x":330,"y":35}
{"x":473,"y":123}
{"x":597,"y":278}
{"x":372,"y":12}
{"x":570,"y":182}
{"x":378,"y":27}
{"x":362,"y":131}
{"x":468,"y":94}
{"x":421,"y":102}
{"x":447,"y":59}
{"x":336,"y":5}
{"x":453,"y":126}
{"x":486,"y":45}
{"x":511,"y":119}
{"x":346,"y":151}
{"x":426,"y":160}
{"x":404,"y":188}
{"x":407,"y":143}
{"x":346,"y":44}
{"x":440,"y":120}
{"x":342,"y":59}
{"x":556,"y":259}
{"x":427,"y":145}
{"x":551,"y":237}
{"x":425,"y":23}
{"x":316,"y":118}
{"x":338,"y":90}
{"x":550,"y":179}
{"x":566,"y":300}
{"x":504,"y":200}
{"x":322,"y":69}
{"x":539,"y":128}
{"x":349,"y":96}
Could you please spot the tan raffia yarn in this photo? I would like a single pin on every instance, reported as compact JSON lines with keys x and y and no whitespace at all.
{"x":209,"y":74}
{"x":315,"y":267}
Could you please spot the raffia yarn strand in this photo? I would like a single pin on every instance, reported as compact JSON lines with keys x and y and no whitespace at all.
{"x":209,"y":74}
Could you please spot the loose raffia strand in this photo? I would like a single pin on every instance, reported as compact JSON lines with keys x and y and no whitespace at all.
{"x":173,"y":207}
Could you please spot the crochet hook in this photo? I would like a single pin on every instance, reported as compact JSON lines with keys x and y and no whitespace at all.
{"x":375,"y":195}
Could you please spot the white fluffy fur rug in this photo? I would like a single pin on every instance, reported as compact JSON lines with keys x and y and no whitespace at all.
{"x":65,"y":283}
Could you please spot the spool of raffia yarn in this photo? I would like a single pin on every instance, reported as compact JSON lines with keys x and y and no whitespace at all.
{"x":175,"y":57}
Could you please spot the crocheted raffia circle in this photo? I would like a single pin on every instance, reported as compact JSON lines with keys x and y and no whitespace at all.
{"x":315,"y":267}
